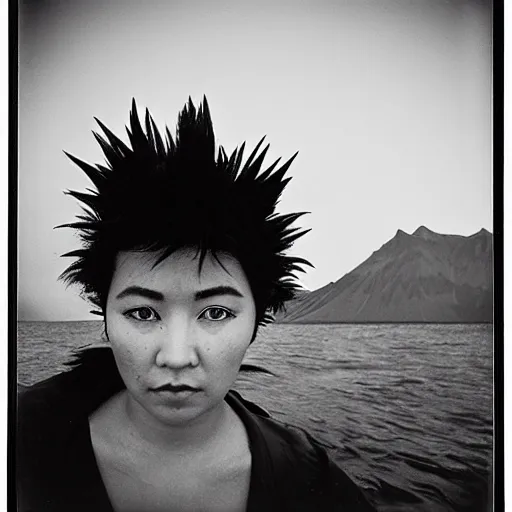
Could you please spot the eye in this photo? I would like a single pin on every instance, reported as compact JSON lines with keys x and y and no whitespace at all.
{"x":216,"y":314}
{"x":143,"y":314}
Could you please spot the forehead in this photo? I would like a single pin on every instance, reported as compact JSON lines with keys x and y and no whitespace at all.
{"x":181,"y":270}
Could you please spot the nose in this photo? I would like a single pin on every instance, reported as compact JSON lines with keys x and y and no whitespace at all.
{"x":176,"y":346}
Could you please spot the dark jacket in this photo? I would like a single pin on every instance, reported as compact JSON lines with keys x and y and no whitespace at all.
{"x":56,"y":469}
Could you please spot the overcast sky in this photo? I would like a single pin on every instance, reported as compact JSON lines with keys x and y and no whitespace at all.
{"x":388,"y":104}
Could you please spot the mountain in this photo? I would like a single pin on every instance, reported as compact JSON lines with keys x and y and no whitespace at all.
{"x":422,"y":277}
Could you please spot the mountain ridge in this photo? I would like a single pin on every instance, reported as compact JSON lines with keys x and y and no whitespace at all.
{"x":422,"y":277}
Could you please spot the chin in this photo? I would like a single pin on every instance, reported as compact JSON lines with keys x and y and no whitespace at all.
{"x":180,"y":418}
{"x":182,"y":414}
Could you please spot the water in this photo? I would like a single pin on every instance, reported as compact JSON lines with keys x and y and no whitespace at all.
{"x":405,"y":409}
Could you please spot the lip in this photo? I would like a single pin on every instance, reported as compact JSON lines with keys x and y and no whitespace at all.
{"x":175,"y":388}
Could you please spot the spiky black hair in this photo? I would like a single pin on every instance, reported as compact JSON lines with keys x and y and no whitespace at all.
{"x":163,"y":196}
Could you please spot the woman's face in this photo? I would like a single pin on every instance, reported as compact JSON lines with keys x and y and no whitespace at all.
{"x":178,"y":336}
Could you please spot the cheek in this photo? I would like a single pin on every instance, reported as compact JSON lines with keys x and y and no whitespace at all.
{"x":230,"y":349}
{"x":130,"y":352}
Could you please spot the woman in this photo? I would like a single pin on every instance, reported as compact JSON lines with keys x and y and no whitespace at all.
{"x":184,"y":257}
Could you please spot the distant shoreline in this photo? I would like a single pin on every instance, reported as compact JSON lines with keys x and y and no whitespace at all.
{"x":384,"y":323}
{"x":301,"y":323}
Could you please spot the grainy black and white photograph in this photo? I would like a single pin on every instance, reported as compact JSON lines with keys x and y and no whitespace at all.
{"x":318,"y":174}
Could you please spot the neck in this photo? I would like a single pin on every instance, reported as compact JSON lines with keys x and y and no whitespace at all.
{"x":194,"y":436}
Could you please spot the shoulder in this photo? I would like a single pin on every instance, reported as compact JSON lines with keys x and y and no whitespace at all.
{"x":42,"y":433}
{"x":42,"y":403}
{"x":52,"y":432}
{"x":49,"y":408}
{"x":302,"y":471}
{"x":46,"y":415}
{"x":92,"y":378}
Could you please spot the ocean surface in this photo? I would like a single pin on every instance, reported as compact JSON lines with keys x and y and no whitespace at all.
{"x":405,"y":409}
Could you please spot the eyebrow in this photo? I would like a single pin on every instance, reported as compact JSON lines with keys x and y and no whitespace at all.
{"x":217,"y":290}
{"x":141,"y":292}
{"x":200,"y":295}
